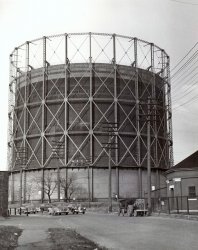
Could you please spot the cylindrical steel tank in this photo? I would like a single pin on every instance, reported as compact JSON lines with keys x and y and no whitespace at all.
{"x":82,"y":102}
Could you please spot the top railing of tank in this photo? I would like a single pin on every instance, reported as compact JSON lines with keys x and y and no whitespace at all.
{"x":88,"y":48}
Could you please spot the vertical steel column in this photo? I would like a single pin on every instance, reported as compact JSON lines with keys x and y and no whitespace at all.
{"x":24,"y":185}
{"x":158,"y":183}
{"x":21,"y":161}
{"x":149,"y":156}
{"x":66,"y":113}
{"x":154,"y":106}
{"x":12,"y":188}
{"x":110,"y":173}
{"x":116,"y":113}
{"x":21,"y":187}
{"x":43,"y":118}
{"x":91,"y":117}
{"x":58,"y":182}
{"x":168,"y":201}
{"x":25,"y":119}
{"x":10,"y":151}
{"x":165,"y":105}
{"x":137,"y":119}
{"x":177,"y":205}
{"x":187,"y":200}
{"x":139,"y":182}
{"x":171,"y":162}
{"x":15,"y":93}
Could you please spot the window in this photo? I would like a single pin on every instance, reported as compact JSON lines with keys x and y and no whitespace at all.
{"x":191,"y":191}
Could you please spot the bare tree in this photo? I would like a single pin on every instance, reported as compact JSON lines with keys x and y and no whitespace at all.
{"x":29,"y":191}
{"x":69,"y":186}
{"x":49,"y":184}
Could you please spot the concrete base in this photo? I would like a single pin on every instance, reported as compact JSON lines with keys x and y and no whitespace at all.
{"x":126,"y":183}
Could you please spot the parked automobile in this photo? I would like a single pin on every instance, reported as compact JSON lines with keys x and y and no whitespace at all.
{"x":30,"y":210}
{"x":45,"y":207}
{"x":58,"y":210}
{"x":38,"y":209}
{"x":72,"y":208}
{"x":76,"y":209}
{"x":81,"y":209}
{"x":21,"y":210}
{"x":66,"y":209}
{"x":50,"y":211}
{"x":26,"y":210}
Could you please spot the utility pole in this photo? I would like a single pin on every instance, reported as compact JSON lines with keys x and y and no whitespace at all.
{"x":149,"y":156}
{"x":149,"y":117}
{"x":112,"y":128}
{"x":58,"y":149}
{"x":21,"y":161}
{"x":88,"y":162}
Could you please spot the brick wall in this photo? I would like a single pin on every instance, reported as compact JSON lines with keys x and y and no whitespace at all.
{"x":3,"y":193}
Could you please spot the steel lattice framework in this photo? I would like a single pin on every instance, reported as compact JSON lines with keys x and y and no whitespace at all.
{"x":64,"y":87}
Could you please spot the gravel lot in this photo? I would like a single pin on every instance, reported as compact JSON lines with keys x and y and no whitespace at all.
{"x":108,"y":230}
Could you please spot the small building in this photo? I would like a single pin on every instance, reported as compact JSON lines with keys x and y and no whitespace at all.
{"x":182,"y":183}
{"x":3,"y":193}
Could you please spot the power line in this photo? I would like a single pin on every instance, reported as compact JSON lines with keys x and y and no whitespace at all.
{"x":184,"y":56}
{"x":189,"y":81}
{"x":185,"y":78}
{"x":187,"y":102}
{"x":185,"y":64}
{"x":175,"y":93}
{"x":185,"y":94}
{"x":186,"y":74}
{"x":185,"y":67}
{"x":182,"y":2}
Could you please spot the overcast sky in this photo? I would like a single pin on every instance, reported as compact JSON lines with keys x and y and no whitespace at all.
{"x":170,"y":24}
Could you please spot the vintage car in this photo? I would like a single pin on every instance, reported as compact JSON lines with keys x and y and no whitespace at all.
{"x":72,"y":208}
{"x":27,"y":210}
{"x":81,"y":209}
{"x":30,"y":210}
{"x":66,"y":209}
{"x":21,"y":210}
{"x":76,"y":209}
{"x":58,"y":210}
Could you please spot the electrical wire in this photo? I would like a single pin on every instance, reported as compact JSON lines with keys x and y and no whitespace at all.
{"x":185,"y":103}
{"x":195,"y":54}
{"x":182,"y":2}
{"x":184,"y":56}
{"x":186,"y":76}
{"x":185,"y":94}
{"x":188,"y":86}
{"x":176,"y":109}
{"x":184,"y":79}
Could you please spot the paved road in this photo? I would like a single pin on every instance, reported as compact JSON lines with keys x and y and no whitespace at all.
{"x":114,"y":232}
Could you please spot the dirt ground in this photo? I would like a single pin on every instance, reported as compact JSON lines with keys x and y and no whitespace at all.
{"x":69,"y":239}
{"x":58,"y":239}
{"x":9,"y":237}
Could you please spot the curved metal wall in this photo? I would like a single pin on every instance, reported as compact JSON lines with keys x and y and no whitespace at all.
{"x":64,"y":88}
{"x":73,"y":117}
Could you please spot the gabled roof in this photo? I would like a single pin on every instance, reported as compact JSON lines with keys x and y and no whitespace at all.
{"x":189,"y":163}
